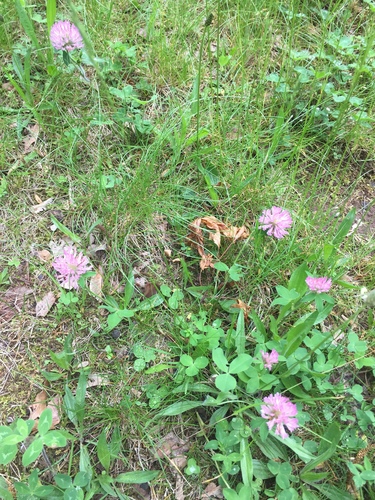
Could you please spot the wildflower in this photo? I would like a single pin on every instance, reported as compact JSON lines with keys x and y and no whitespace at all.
{"x":270,"y":358}
{"x":275,"y":221}
{"x":279,"y":411}
{"x":319,"y":285}
{"x":71,"y":265}
{"x":64,"y":35}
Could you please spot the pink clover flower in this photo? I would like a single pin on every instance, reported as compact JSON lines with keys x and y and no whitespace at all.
{"x":65,"y":35}
{"x":270,"y":358}
{"x":319,"y":285}
{"x":275,"y":221}
{"x":71,"y":266}
{"x":280,"y":412}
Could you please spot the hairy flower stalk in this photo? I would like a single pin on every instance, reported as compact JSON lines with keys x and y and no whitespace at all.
{"x":64,"y":35}
{"x":71,"y":266}
{"x":275,"y":221}
{"x":280,"y":412}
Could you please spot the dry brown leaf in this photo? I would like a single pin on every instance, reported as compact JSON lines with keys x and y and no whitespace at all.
{"x":212,"y":491}
{"x":6,"y":312}
{"x":44,"y":255}
{"x":140,"y":282}
{"x":231,"y":232}
{"x":149,"y":290}
{"x":40,"y":207}
{"x":242,"y":305}
{"x":142,"y":492}
{"x":206,"y":261}
{"x":82,"y":364}
{"x":137,"y":394}
{"x":168,"y":252}
{"x":242,"y":233}
{"x":96,"y":284}
{"x":18,"y":292}
{"x":172,"y":446}
{"x":40,"y":405}
{"x":11,"y":301}
{"x":95,"y":380}
{"x":213,"y":223}
{"x":179,"y":489}
{"x":94,"y":248}
{"x":31,"y":138}
{"x":37,"y":408}
{"x":195,"y":236}
{"x":43,"y":307}
{"x":179,"y":462}
{"x":216,"y":238}
{"x":55,"y":405}
{"x":7,"y":86}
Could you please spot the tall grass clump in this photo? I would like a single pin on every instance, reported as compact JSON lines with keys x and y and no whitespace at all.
{"x":187,"y":238}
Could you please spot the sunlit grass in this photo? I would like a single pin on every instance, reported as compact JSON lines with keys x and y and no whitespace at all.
{"x":175,"y":111}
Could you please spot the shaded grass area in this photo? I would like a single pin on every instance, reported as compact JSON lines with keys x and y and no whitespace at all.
{"x":179,"y":116}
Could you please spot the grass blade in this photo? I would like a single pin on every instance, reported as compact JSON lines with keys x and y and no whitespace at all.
{"x":246,"y":465}
{"x":136,"y":477}
{"x":178,"y":408}
{"x":344,"y":227}
{"x":28,"y":27}
{"x":65,"y":230}
{"x":51,"y":13}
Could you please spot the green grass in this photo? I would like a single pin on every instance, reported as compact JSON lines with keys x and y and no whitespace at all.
{"x":169,"y":115}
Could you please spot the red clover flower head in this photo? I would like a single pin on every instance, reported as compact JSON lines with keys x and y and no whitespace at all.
{"x":270,"y":358}
{"x":319,"y":285}
{"x":70,"y":266}
{"x":64,"y":35}
{"x":279,"y":411}
{"x":275,"y":221}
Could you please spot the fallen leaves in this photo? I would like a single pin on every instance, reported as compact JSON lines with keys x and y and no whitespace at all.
{"x":6,"y":313}
{"x":245,"y":308}
{"x":96,"y":284}
{"x":212,"y":491}
{"x":12,"y":301}
{"x":41,"y":206}
{"x":40,"y":404}
{"x":31,"y":138}
{"x":44,"y":255}
{"x":217,"y":230}
{"x":18,"y":293}
{"x":172,"y":446}
{"x":95,"y":380}
{"x":175,"y":449}
{"x":43,"y":307}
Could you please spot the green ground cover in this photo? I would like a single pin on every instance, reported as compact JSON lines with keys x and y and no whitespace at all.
{"x":150,"y":153}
